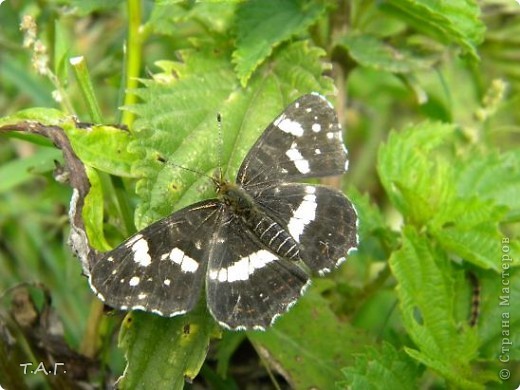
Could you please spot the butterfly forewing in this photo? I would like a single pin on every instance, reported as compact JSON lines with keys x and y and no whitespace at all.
{"x":160,"y":269}
{"x":306,"y":140}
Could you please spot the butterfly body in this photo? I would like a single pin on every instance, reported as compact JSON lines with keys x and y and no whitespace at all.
{"x":254,"y":246}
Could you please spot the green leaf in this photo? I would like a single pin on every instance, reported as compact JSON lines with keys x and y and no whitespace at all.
{"x":381,"y":365}
{"x":163,"y":352}
{"x":426,"y":300}
{"x":93,"y":212}
{"x":49,"y":116}
{"x":177,"y":121}
{"x":417,"y":180}
{"x":100,"y":146}
{"x":103,"y":147}
{"x":499,"y":319}
{"x":493,"y":177}
{"x":262,"y":25}
{"x":309,"y":343}
{"x":448,"y":21}
{"x":373,"y":53}
{"x":469,"y":228}
{"x":177,"y":128}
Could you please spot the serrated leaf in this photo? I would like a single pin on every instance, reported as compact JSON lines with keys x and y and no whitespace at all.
{"x":180,"y":18}
{"x":310,"y":343}
{"x":468,"y":227}
{"x":373,"y":53}
{"x":426,"y":300}
{"x":178,"y":121}
{"x":417,"y":180}
{"x":379,"y":366}
{"x":494,"y":177}
{"x":448,"y":21}
{"x":163,"y":352}
{"x":262,"y":25}
{"x":499,"y":319}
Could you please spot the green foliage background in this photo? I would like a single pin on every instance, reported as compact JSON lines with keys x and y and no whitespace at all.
{"x":428,"y":93}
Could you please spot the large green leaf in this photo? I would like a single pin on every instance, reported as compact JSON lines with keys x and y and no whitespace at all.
{"x":163,"y":352}
{"x":494,"y":177}
{"x":177,"y":129}
{"x":417,"y":180}
{"x":262,"y":25}
{"x":454,"y":21}
{"x":427,"y":296}
{"x":371,"y":52}
{"x":395,"y":369}
{"x":178,"y":121}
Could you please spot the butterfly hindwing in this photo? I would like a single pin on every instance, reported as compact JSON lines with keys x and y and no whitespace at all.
{"x":248,"y":285}
{"x":306,"y":140}
{"x":320,"y":219}
{"x":160,"y":269}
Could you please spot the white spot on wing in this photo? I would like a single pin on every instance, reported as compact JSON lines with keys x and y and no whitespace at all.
{"x":167,"y":282}
{"x":289,"y":126}
{"x":142,"y":296}
{"x":134,"y":281}
{"x":243,"y":268}
{"x":304,"y":214}
{"x":316,"y":127}
{"x":296,"y":157}
{"x":317,"y":151}
{"x":187,"y":263}
{"x":141,"y":255}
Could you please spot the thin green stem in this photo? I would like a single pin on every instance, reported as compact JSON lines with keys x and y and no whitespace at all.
{"x":133,"y":57}
{"x":79,"y":66}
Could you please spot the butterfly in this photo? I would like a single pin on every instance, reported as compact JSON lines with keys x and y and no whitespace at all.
{"x":253,"y":248}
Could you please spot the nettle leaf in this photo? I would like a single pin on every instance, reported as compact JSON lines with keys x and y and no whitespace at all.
{"x":448,"y":21}
{"x":417,"y":180}
{"x":163,"y":352}
{"x":382,"y":365}
{"x":309,"y":343}
{"x":499,"y":314}
{"x":468,"y":227}
{"x":263,"y":25}
{"x":495,"y":177}
{"x":177,"y":129}
{"x":427,"y":295}
{"x":178,"y":121}
{"x":212,"y":17}
{"x":373,"y":53}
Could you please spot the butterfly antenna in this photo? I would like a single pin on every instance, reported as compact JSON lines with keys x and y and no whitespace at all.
{"x":220,"y":144}
{"x":200,"y":173}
